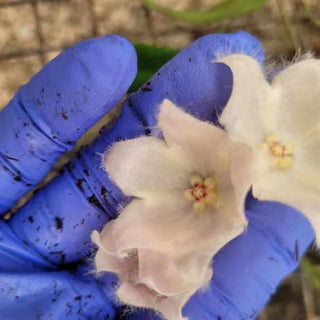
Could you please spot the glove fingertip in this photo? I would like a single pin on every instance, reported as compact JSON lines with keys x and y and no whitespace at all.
{"x":79,"y":86}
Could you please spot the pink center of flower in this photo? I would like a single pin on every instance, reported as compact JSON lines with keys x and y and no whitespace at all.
{"x":203,"y":192}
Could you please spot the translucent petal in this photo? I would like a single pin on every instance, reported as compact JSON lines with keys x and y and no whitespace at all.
{"x":172,"y":232}
{"x":106,"y":261}
{"x":241,"y":172}
{"x":287,"y":187}
{"x":171,"y":275}
{"x":142,"y":296}
{"x":299,"y":93}
{"x":136,"y":294}
{"x":103,"y":260}
{"x":307,"y":159}
{"x":251,"y":110}
{"x":145,"y":164}
{"x":196,"y":138}
{"x":174,"y":250}
{"x":209,"y":149}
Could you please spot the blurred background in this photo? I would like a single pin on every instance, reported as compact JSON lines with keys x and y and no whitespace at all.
{"x":32,"y":32}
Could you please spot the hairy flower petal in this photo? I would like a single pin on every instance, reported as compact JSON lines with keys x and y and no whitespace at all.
{"x":281,"y":123}
{"x":188,"y":202}
{"x":246,"y":117}
{"x":287,"y":189}
{"x":145,"y":163}
{"x":299,"y":98}
{"x":142,"y":296}
{"x":198,"y":143}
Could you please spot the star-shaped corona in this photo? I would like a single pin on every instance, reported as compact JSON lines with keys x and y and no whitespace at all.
{"x":204,"y":192}
{"x":282,"y":153}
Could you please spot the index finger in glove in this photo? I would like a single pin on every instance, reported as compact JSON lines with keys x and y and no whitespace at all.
{"x":60,"y":103}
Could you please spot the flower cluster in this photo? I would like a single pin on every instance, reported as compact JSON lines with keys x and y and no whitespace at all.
{"x":189,"y":189}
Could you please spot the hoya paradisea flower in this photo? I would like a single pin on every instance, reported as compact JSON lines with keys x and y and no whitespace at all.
{"x":280,"y":121}
{"x":188,"y":201}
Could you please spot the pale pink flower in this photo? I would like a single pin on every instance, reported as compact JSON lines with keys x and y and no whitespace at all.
{"x":188,"y":201}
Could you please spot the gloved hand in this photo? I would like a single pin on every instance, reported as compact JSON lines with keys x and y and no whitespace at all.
{"x":44,"y":247}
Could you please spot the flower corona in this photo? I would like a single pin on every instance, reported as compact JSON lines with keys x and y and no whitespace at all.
{"x":282,"y":153}
{"x":204,"y":192}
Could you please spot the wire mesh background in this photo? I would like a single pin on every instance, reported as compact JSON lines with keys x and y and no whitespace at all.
{"x":32,"y":32}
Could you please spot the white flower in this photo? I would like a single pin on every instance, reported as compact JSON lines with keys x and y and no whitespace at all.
{"x":280,"y":121}
{"x":189,"y":193}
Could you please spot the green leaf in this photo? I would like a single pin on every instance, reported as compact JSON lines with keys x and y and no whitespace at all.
{"x":150,"y":59}
{"x":225,"y":9}
{"x":311,"y":272}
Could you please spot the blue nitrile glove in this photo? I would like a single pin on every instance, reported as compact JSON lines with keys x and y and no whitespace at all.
{"x":42,"y":244}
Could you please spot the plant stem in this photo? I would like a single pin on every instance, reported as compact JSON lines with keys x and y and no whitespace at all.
{"x":289,"y":27}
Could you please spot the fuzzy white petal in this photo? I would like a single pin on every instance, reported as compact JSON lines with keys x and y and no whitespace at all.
{"x":106,"y":261}
{"x":286,"y":188}
{"x":196,"y":138}
{"x":245,"y":116}
{"x":290,"y":109}
{"x":142,"y":296}
{"x":242,"y":172}
{"x":164,"y":247}
{"x":237,"y":173}
{"x":180,"y":128}
{"x":173,"y":251}
{"x":145,"y":164}
{"x":307,"y":159}
{"x":208,"y":147}
{"x":168,"y":231}
{"x":170,"y":275}
{"x":299,"y":90}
